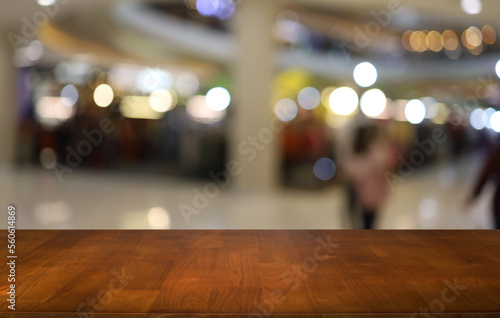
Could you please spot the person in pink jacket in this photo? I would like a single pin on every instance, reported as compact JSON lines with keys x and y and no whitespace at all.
{"x":372,"y":156}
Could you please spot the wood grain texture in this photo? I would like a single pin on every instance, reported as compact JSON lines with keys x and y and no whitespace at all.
{"x":123,"y":273}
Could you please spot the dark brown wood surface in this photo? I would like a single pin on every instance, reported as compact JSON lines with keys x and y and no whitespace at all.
{"x":68,"y":273}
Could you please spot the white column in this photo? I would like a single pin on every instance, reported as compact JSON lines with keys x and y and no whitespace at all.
{"x":8,"y":114}
{"x":252,"y":146}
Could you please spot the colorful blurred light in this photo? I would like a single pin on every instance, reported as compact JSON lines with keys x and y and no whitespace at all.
{"x":495,"y":122}
{"x":373,"y":102}
{"x":489,"y":34}
{"x":46,"y":3}
{"x":159,"y":218}
{"x":450,"y":40}
{"x":431,"y":107}
{"x":162,"y":100}
{"x":474,"y":36}
{"x":197,"y":110}
{"x":405,"y":40}
{"x":415,"y":111}
{"x":365,"y":74}
{"x":343,"y":100}
{"x":150,"y":79}
{"x":418,"y":41}
{"x":34,"y":50}
{"x":487,"y":114}
{"x":222,"y":9}
{"x":286,"y":109}
{"x":324,"y":169}
{"x":53,"y":110}
{"x":476,"y":119}
{"x":218,"y":98}
{"x":69,"y":95}
{"x":471,"y":6}
{"x":103,"y":95}
{"x":309,"y":98}
{"x":434,"y":41}
{"x":138,"y":107}
{"x":441,"y":115}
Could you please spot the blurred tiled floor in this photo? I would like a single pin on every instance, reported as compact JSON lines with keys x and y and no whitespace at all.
{"x":431,"y":198}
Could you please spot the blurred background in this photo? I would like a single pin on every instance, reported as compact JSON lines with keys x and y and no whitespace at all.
{"x":233,"y":114}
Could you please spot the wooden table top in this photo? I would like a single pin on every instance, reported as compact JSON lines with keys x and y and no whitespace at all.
{"x":67,"y":273}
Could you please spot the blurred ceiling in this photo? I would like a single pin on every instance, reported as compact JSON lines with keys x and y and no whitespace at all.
{"x":108,"y":29}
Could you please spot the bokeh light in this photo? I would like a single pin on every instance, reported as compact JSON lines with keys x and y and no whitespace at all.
{"x":46,"y":3}
{"x":103,"y":95}
{"x":286,"y":109}
{"x":476,"y":50}
{"x":34,"y":50}
{"x":53,"y":109}
{"x":218,"y":98}
{"x":434,"y":41}
{"x":497,"y":68}
{"x":324,"y":169}
{"x":343,"y":101}
{"x":162,"y":100}
{"x":474,"y":36}
{"x":309,"y":98}
{"x":373,"y":102}
{"x":487,"y":114}
{"x":476,"y":119}
{"x":495,"y":122}
{"x":415,"y":111}
{"x":325,"y":96}
{"x":418,"y":41}
{"x":69,"y":95}
{"x":489,"y":34}
{"x":222,"y":9}
{"x":365,"y":74}
{"x":441,"y":115}
{"x":150,"y":79}
{"x":454,"y":54}
{"x":138,"y":107}
{"x":450,"y":40}
{"x":197,"y":110}
{"x":405,"y":40}
{"x":431,"y":107}
{"x":471,"y":6}
{"x":158,"y":218}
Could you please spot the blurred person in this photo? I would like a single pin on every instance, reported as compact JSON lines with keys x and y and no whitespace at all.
{"x":372,"y":156}
{"x":490,"y":171}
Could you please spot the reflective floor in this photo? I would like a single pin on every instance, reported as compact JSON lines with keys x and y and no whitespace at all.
{"x":430,"y":199}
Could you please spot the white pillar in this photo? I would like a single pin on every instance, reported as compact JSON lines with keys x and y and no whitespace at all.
{"x":8,"y":114}
{"x":254,"y":68}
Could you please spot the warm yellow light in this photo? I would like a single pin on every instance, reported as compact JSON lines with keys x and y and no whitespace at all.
{"x":344,"y":101}
{"x":138,"y":107}
{"x":405,"y":40}
{"x":418,"y":41}
{"x":434,"y":41}
{"x":489,"y":34}
{"x":325,"y":96}
{"x":441,"y":115}
{"x":450,"y":40}
{"x":477,"y":50}
{"x":474,"y":36}
{"x":103,"y":95}
{"x":162,"y":100}
{"x":198,"y":110}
